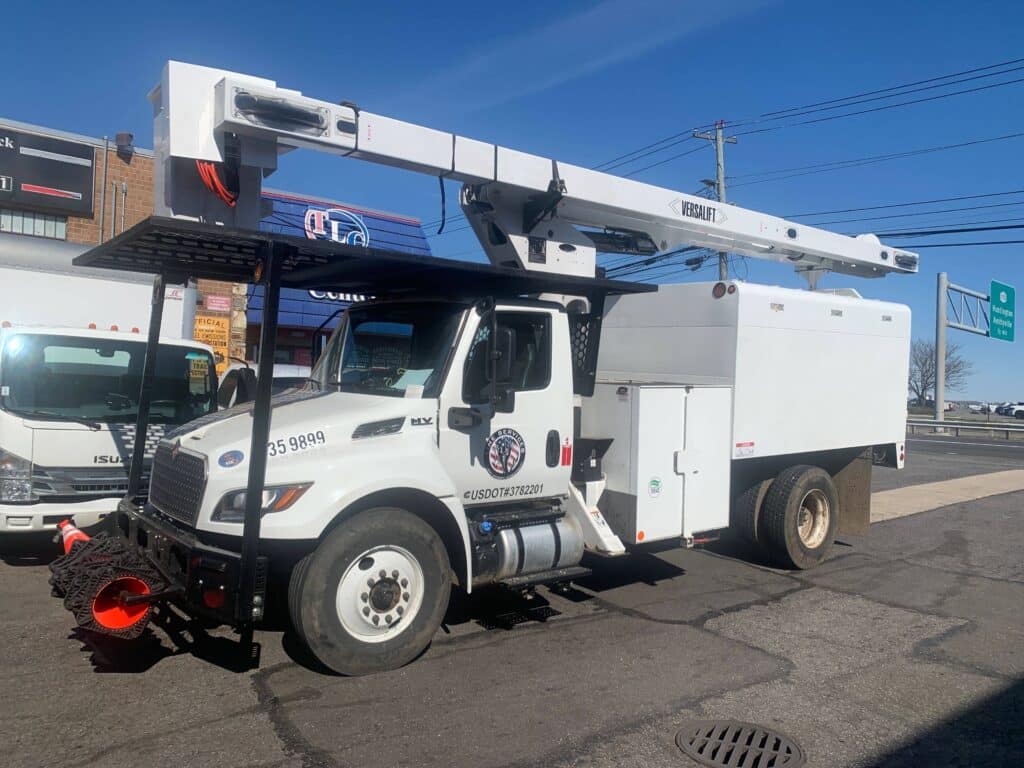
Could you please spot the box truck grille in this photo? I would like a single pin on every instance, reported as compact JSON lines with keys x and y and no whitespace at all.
{"x":178,"y":482}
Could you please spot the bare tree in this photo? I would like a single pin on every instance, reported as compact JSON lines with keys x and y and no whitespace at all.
{"x":922,"y":369}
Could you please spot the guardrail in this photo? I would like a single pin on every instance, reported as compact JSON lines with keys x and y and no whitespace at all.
{"x":952,"y":426}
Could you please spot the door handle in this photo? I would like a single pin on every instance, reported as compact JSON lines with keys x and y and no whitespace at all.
{"x":466,"y":418}
{"x":553,"y":449}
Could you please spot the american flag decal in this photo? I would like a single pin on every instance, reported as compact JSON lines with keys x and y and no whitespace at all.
{"x":506,"y":451}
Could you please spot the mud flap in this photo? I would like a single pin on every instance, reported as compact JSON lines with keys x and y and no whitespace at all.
{"x":853,"y":482}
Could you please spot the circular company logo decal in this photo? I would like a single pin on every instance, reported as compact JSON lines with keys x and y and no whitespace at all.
{"x":231,"y":459}
{"x":505,"y":452}
{"x":654,"y":487}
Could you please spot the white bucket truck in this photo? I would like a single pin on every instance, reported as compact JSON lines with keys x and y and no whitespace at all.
{"x":483,"y":425}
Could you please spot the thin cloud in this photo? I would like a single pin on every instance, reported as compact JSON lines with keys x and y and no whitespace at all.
{"x":581,"y":44}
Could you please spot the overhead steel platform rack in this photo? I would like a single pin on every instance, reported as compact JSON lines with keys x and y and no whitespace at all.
{"x":174,"y":250}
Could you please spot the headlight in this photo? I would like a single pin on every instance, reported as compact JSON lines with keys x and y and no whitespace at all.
{"x":15,"y":478}
{"x":276,"y":498}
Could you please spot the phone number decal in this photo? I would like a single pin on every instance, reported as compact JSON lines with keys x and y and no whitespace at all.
{"x":296,"y":443}
{"x":507,"y":492}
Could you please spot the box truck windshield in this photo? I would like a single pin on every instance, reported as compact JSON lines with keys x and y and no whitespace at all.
{"x":56,"y":377}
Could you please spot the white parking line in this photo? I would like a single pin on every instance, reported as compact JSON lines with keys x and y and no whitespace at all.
{"x":901,"y":502}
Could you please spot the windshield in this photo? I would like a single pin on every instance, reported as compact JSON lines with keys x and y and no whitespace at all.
{"x":390,"y":349}
{"x":67,"y":377}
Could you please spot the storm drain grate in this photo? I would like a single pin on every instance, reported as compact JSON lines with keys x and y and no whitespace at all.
{"x":734,"y":744}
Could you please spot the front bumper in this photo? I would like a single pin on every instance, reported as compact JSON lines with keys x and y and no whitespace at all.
{"x":206,"y":573}
{"x":44,"y":516}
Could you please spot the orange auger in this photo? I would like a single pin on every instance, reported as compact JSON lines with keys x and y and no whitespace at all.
{"x":105,"y":583}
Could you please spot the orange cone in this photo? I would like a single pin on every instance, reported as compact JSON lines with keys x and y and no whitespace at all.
{"x":69,"y":534}
{"x":112,"y":613}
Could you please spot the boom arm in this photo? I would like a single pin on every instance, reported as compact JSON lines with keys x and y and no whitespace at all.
{"x":526,"y":210}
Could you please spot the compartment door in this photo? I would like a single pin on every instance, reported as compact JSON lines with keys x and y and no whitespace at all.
{"x":659,"y":437}
{"x":705,"y":460}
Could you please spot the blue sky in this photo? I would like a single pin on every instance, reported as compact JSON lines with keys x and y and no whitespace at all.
{"x":586,"y":81}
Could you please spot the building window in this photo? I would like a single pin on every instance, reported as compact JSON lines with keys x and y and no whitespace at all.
{"x":35,"y":224}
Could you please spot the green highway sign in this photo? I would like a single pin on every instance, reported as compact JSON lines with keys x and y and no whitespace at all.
{"x":1001,"y":311}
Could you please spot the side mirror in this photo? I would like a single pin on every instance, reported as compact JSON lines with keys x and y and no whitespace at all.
{"x":503,"y":351}
{"x":246,"y":389}
{"x":503,"y":395}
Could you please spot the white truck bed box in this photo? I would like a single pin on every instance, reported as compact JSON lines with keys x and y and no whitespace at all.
{"x":802,"y":372}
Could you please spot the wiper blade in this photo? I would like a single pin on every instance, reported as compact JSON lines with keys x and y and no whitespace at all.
{"x":54,"y":416}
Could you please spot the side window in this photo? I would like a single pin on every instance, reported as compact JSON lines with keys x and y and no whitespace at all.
{"x":531,"y":361}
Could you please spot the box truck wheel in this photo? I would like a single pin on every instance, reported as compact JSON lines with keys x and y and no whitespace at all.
{"x":748,"y":512}
{"x":801,"y":514}
{"x":371,"y":596}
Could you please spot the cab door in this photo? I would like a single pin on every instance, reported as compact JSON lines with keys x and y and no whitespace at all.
{"x":520,"y":447}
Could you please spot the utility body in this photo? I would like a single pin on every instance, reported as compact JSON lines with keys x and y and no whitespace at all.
{"x":491,"y":425}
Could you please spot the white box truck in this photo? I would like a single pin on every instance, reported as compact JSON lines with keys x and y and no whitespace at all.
{"x":71,"y":360}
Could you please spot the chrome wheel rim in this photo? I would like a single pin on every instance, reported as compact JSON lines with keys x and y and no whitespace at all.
{"x":380,"y":593}
{"x":813,"y":519}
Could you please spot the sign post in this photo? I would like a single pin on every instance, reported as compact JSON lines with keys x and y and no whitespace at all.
{"x":1001,"y":311}
{"x":968,"y":308}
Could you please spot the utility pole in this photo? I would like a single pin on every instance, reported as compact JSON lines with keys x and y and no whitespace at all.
{"x":720,"y":141}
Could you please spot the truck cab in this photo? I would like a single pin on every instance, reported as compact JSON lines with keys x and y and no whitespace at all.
{"x":446,"y":416}
{"x":68,"y":407}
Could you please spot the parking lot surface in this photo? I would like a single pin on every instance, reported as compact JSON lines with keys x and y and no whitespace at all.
{"x":906,"y":648}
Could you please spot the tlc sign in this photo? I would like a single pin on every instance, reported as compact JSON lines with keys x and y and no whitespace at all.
{"x":336,"y":224}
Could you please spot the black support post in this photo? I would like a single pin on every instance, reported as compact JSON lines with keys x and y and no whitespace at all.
{"x":272,"y":257}
{"x":156,"y":314}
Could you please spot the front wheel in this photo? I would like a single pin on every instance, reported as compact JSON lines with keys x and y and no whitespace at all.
{"x":373,"y":593}
{"x":801,"y":515}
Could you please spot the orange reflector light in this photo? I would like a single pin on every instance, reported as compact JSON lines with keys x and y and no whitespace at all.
{"x":213,"y":598}
{"x":718,"y":291}
{"x":289,"y":497}
{"x":108,"y":610}
{"x":639,"y":535}
{"x":114,"y":328}
{"x":134,"y":329}
{"x":6,"y":324}
{"x":92,"y":326}
{"x":732,"y":289}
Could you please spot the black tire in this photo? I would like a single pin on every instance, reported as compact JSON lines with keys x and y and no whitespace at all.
{"x":295,"y":594}
{"x":313,"y":591}
{"x":782,"y":514}
{"x":748,"y":512}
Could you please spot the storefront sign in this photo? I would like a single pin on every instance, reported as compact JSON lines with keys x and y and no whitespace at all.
{"x":216,"y":303}
{"x":215,"y":331}
{"x":336,"y":224}
{"x":47,"y":174}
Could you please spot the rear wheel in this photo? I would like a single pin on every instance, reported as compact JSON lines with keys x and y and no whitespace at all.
{"x":801,"y":515}
{"x":372,"y":595}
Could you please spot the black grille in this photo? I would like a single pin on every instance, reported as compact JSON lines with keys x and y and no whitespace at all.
{"x":178,"y":482}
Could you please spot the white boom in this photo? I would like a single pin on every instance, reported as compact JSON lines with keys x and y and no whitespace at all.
{"x":526,"y":210}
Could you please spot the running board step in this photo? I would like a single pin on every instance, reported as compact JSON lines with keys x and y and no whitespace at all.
{"x":546,"y":577}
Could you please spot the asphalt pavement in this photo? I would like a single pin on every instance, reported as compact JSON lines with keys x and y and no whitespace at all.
{"x":906,"y":648}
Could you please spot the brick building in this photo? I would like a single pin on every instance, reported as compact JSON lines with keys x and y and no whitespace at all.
{"x":76,"y":191}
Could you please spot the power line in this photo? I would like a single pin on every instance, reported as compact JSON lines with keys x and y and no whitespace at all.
{"x":837,"y":165}
{"x":904,"y":205}
{"x":919,"y":213}
{"x":906,"y":89}
{"x":919,"y":246}
{"x":950,"y":231}
{"x":897,"y":87}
